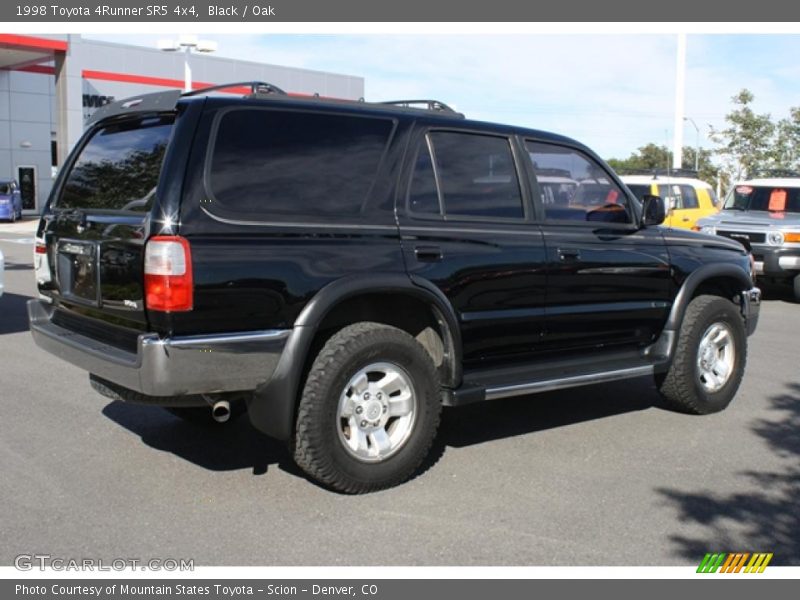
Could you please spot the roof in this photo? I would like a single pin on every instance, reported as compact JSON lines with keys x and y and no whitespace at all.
{"x":772,"y":182}
{"x":647,"y":179}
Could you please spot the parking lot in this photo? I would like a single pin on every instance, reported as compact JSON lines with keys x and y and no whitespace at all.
{"x":599,"y":475}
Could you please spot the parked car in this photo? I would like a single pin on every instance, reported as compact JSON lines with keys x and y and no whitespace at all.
{"x":687,"y":197}
{"x":2,"y":272}
{"x":764,"y":214}
{"x":345,"y":269}
{"x":10,"y":201}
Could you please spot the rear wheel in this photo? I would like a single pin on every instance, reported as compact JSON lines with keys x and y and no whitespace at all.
{"x":709,"y":358}
{"x":369,"y":409}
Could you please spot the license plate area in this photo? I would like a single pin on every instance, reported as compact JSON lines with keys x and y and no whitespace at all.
{"x":77,"y":271}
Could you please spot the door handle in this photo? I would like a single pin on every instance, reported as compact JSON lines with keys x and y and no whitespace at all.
{"x":569,"y":254}
{"x":428,"y":253}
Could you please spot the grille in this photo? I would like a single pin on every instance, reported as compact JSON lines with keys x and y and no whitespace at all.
{"x":752,"y":237}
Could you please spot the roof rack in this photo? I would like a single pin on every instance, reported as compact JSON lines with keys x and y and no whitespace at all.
{"x":660,"y":172}
{"x":257,"y":88}
{"x":764,"y":173}
{"x":433,"y":105}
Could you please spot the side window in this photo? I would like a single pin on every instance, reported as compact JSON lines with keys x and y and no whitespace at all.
{"x":476,"y":175}
{"x":689,"y":195}
{"x":574,"y":187}
{"x":273,"y":162}
{"x":423,"y":196}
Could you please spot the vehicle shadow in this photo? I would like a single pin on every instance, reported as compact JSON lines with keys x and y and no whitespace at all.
{"x":769,"y":518}
{"x":13,"y":313}
{"x":216,"y":447}
{"x":237,"y":445}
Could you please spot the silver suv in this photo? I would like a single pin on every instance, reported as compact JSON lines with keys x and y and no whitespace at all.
{"x":764,"y":215}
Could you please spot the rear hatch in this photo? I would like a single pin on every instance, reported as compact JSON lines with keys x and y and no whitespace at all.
{"x":96,"y":225}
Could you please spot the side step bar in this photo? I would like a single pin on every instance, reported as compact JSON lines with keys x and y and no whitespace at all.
{"x":535,"y":387}
{"x":546,"y":377}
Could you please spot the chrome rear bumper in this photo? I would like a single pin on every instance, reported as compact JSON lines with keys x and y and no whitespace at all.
{"x":175,"y":366}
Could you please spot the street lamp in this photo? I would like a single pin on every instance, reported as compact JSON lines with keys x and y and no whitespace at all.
{"x":697,"y":141}
{"x":189,"y":44}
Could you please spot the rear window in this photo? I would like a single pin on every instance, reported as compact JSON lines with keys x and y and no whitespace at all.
{"x":118,"y":168}
{"x":268,"y":163}
{"x":640,"y":190}
{"x":766,"y":198}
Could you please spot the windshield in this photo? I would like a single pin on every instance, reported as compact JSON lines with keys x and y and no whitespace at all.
{"x":5,"y":187}
{"x":118,"y":168}
{"x":766,"y":198}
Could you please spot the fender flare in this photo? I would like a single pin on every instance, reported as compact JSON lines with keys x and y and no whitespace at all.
{"x":662,"y":349}
{"x":273,"y":405}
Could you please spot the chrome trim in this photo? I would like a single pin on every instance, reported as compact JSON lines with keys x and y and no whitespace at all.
{"x":535,"y":387}
{"x":176,"y":366}
{"x":305,"y":225}
{"x":789,"y":262}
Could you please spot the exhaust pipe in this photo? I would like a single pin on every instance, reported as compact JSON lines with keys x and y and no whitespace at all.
{"x":221,"y":411}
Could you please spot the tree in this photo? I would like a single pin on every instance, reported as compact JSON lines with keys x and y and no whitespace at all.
{"x":653,"y":156}
{"x":787,"y":141}
{"x":747,"y":144}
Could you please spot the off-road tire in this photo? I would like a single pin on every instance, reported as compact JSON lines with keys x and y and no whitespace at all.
{"x":681,"y":385}
{"x":317,"y":446}
{"x":796,"y":288}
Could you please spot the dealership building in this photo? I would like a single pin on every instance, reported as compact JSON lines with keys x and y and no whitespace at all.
{"x":50,"y":85}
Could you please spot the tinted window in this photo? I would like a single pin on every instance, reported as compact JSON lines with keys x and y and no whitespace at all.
{"x":477,"y":175}
{"x":767,"y":198}
{"x":689,"y":197}
{"x":422,"y":195}
{"x":589,"y":193}
{"x":639,"y":190}
{"x":5,"y":187}
{"x":292,"y":163}
{"x":119,"y":167}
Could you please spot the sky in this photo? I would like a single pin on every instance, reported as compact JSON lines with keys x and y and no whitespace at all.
{"x":613,"y":92}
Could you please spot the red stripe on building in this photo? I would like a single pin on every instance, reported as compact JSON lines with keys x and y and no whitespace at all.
{"x":158,"y":81}
{"x":166,"y":82}
{"x":29,"y":42}
{"x":42,"y":69}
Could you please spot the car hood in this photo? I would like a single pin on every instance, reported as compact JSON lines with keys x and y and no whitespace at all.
{"x":751,"y":218}
{"x":688,"y":237}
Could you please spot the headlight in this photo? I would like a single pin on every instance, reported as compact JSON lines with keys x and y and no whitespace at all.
{"x":709,"y":229}
{"x":775,"y":238}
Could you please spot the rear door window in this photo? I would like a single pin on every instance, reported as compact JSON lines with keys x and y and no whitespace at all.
{"x":118,"y":168}
{"x":277,"y":163}
{"x":474,"y":175}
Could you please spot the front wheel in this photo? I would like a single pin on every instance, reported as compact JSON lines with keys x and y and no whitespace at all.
{"x":709,"y":358}
{"x":369,"y":409}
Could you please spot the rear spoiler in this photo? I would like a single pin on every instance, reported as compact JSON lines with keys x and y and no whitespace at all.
{"x":156,"y":102}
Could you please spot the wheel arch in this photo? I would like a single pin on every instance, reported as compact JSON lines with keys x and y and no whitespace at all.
{"x":273,"y":405}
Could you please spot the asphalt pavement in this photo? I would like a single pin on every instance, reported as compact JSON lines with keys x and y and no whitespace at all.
{"x":601,"y":475}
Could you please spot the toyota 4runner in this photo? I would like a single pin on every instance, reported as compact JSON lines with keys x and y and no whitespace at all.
{"x":343,"y":270}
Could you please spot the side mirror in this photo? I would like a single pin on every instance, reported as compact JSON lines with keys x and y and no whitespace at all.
{"x":654,"y":210}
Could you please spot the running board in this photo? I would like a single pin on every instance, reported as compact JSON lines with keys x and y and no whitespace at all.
{"x":545,"y":377}
{"x":535,"y":387}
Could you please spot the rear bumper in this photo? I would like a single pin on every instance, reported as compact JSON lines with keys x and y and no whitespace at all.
{"x":175,"y":366}
{"x":751,"y":306}
{"x":6,"y":211}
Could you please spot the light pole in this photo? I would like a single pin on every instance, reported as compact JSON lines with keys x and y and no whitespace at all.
{"x":696,"y":143}
{"x":189,"y":44}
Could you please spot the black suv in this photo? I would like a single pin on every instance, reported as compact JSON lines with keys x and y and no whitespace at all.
{"x":342,"y":270}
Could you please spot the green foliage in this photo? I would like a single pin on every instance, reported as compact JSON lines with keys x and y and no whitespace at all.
{"x":653,"y":156}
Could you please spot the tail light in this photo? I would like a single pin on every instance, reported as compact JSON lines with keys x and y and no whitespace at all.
{"x":168,"y":284}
